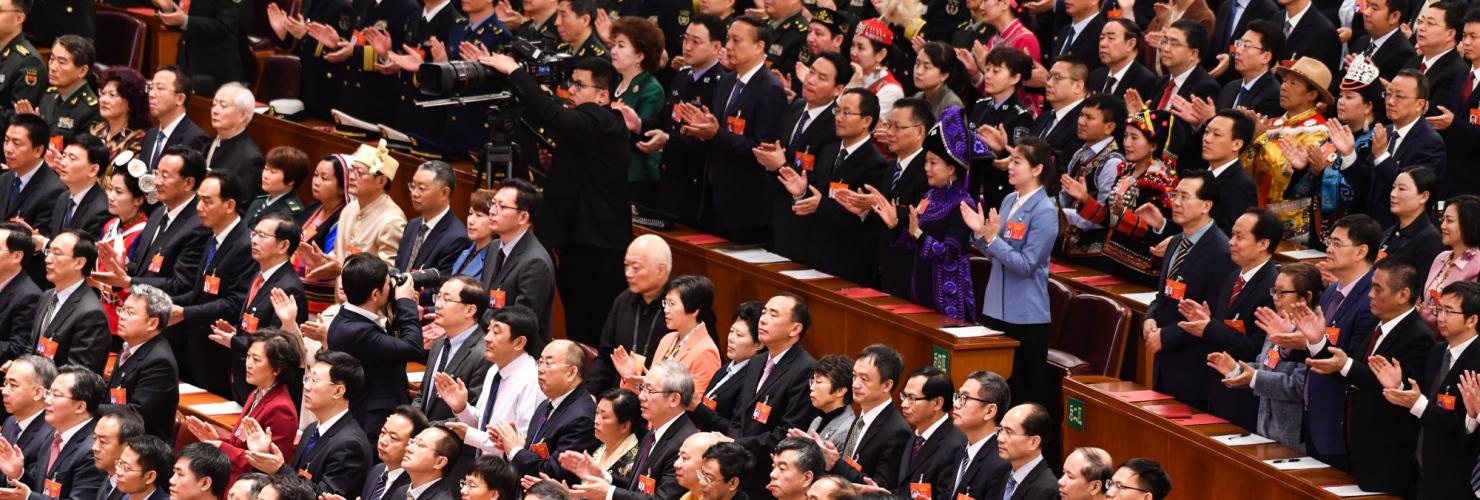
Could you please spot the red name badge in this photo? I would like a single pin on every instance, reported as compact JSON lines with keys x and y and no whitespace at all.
{"x":1333,"y":334}
{"x":1272,"y":357}
{"x":646,"y":484}
{"x":212,"y":285}
{"x":833,"y":187}
{"x":920,"y":491}
{"x":156,"y":263}
{"x":710,"y":403}
{"x":53,"y":489}
{"x":496,"y":298}
{"x":805,"y":160}
{"x":735,"y":124}
{"x":541,"y":449}
{"x":853,"y":463}
{"x":1446,"y":401}
{"x":1016,"y":230}
{"x":1236,"y":325}
{"x":1113,"y":14}
{"x":306,"y":474}
{"x":762,"y":412}
{"x":963,"y":496}
{"x":47,"y":348}
{"x":56,"y":143}
{"x":108,"y":366}
{"x":1475,"y":117}
{"x":118,"y":396}
{"x":1381,"y":254}
{"x":249,"y":323}
{"x":1175,"y":290}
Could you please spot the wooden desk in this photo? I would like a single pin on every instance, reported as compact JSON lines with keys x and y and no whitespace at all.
{"x":160,"y":42}
{"x":840,"y":325}
{"x":227,"y":422}
{"x":414,"y":373}
{"x":1199,"y":466}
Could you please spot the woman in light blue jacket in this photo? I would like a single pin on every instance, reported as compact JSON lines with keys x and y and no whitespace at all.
{"x":1018,"y":237}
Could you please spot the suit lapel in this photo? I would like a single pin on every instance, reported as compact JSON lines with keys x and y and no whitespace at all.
{"x":64,"y":309}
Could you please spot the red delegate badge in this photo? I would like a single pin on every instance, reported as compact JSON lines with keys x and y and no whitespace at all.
{"x":118,"y":396}
{"x":46,"y":348}
{"x":496,"y":298}
{"x":156,"y":263}
{"x":1176,"y":290}
{"x":1016,"y":230}
{"x":762,"y":412}
{"x":212,"y":285}
{"x":1272,"y":357}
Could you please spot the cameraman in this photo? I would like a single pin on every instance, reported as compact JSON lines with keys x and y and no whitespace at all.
{"x":586,"y":220}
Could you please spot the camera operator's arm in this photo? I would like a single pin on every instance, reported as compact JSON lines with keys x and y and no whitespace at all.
{"x":542,"y":108}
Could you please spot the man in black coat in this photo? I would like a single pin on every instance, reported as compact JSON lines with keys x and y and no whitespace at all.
{"x":1064,"y":96}
{"x":1079,"y":34}
{"x":1020,"y":442}
{"x":1317,"y":34}
{"x":29,"y":187}
{"x":880,"y":436}
{"x":167,"y":109}
{"x":146,"y":377}
{"x":232,"y":151}
{"x":1228,"y":323}
{"x":358,"y":331}
{"x":635,"y":321}
{"x":1387,"y":51}
{"x":30,"y":376}
{"x":1435,"y":38}
{"x":433,"y":239}
{"x":683,"y":181}
{"x":171,"y":247}
{"x":1185,"y":41}
{"x":906,"y":127}
{"x":1233,"y":191}
{"x":1120,"y":49}
{"x":85,"y":204}
{"x":1380,"y":436}
{"x":847,"y":237}
{"x":211,"y":44}
{"x":926,"y":404}
{"x":461,"y":301}
{"x":587,"y":221}
{"x":71,"y":327}
{"x":669,"y":388}
{"x":333,"y":450}
{"x":810,"y":126}
{"x":977,"y":468}
{"x":77,"y":393}
{"x":516,"y":268}
{"x":273,"y":241}
{"x":1411,"y":141}
{"x":562,"y":422}
{"x":20,"y":296}
{"x":387,"y":480}
{"x":1231,"y":20}
{"x":1256,"y":86}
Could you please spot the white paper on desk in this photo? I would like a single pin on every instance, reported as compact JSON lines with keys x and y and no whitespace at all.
{"x":190,"y":389}
{"x":415,"y":377}
{"x":1304,"y":254}
{"x":1144,"y":298}
{"x":222,"y":408}
{"x":965,"y":332}
{"x":1299,"y":463}
{"x":755,"y":256}
{"x":807,"y":274}
{"x":1242,"y":439}
{"x":1351,"y":490}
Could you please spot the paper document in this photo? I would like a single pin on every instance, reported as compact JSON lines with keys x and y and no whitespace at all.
{"x":190,"y":389}
{"x":222,"y":408}
{"x":1296,"y":463}
{"x":1242,"y":439}
{"x":1304,"y":254}
{"x":807,"y":274}
{"x":1143,"y":297}
{"x":1351,"y":490}
{"x":415,"y":377}
{"x":966,"y":332}
{"x":755,"y":256}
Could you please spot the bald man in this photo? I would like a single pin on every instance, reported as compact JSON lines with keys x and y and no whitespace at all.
{"x":635,"y":321}
{"x":691,"y":460}
{"x":562,"y":422}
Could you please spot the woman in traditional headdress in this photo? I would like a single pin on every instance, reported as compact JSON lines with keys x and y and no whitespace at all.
{"x":873,"y":49}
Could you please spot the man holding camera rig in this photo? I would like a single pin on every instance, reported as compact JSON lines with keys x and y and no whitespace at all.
{"x":586,"y":220}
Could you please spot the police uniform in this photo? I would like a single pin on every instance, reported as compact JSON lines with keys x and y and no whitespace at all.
{"x":789,"y":38}
{"x":22,"y":76}
{"x":321,"y":82}
{"x":71,"y":114}
{"x":288,"y":205}
{"x":989,"y":183}
{"x":468,"y":125}
{"x":366,"y":91}
{"x":592,"y":47}
{"x":424,"y":123}
{"x":681,"y":184}
{"x":50,"y":19}
{"x":970,"y":31}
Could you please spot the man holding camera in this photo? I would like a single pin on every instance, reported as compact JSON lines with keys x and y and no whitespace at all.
{"x":585,"y":221}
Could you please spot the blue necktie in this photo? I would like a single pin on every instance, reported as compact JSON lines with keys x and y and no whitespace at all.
{"x":1068,"y":42}
{"x":734,"y":94}
{"x":1012,"y":484}
{"x":801,"y":127}
{"x":67,"y":219}
{"x":15,"y":196}
{"x":210,"y":253}
{"x":1240,"y":97}
{"x":1232,"y":24}
{"x":488,"y":405}
{"x":309,"y":442}
{"x":159,"y":139}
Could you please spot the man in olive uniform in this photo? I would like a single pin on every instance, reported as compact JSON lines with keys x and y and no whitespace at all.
{"x":50,"y":19}
{"x":211,"y":43}
{"x":789,"y":28}
{"x":468,"y":127}
{"x":575,"y":20}
{"x":538,"y":24}
{"x":70,"y":106}
{"x":22,"y":72}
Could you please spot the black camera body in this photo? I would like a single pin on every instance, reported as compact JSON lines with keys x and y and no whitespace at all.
{"x":423,"y":279}
{"x":468,"y":79}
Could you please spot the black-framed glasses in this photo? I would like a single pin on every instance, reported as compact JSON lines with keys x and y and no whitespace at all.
{"x":906,"y":398}
{"x":1277,"y":293}
{"x":1117,"y":485}
{"x":961,"y":399}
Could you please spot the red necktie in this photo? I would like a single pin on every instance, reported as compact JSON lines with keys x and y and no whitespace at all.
{"x":56,"y":449}
{"x":1423,"y":67}
{"x":256,"y":286}
{"x":1464,"y":92}
{"x":1166,"y":95}
{"x":1238,"y":286}
{"x":1372,"y":344}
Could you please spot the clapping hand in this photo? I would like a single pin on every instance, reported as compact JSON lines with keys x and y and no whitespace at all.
{"x":1327,"y":366}
{"x":974,"y":219}
{"x":885,"y":209}
{"x":1469,"y":390}
{"x":1388,"y":373}
{"x":201,"y":430}
{"x":453,"y":391}
{"x":1196,"y":316}
{"x":222,"y":332}
{"x":1075,"y":188}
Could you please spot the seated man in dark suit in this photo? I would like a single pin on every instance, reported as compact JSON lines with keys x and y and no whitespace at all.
{"x":232,"y":151}
{"x":19,"y":296}
{"x":1317,"y":34}
{"x":1079,"y":36}
{"x":72,"y":409}
{"x":926,"y":403}
{"x":274,"y":239}
{"x":146,"y":377}
{"x":668,"y":388}
{"x":648,"y":263}
{"x":724,"y":464}
{"x":202,"y":472}
{"x":149,"y":463}
{"x":429,"y":459}
{"x":433,"y":239}
{"x":1143,"y":474}
{"x":563,"y":422}
{"x":517,"y":269}
{"x":71,"y":327}
{"x":1021,"y":443}
{"x":357,"y":331}
{"x":170,"y":248}
{"x":170,"y":88}
{"x":879,"y":434}
{"x":979,"y":405}
{"x":460,"y":304}
{"x":387,"y":480}
{"x":84,"y":206}
{"x":797,"y":462}
{"x":27,"y":380}
{"x":333,"y":450}
{"x":29,"y":187}
{"x":1120,"y":49}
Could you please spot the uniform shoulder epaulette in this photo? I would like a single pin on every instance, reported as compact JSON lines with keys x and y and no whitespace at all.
{"x":294,"y":206}
{"x":51,"y":90}
{"x":22,"y":50}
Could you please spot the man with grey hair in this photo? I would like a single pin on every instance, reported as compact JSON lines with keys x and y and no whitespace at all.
{"x":666,"y":392}
{"x":146,"y":377}
{"x":635,"y":321}
{"x":26,"y":381}
{"x":1087,"y":472}
{"x":233,"y":151}
{"x":435,"y":238}
{"x":564,"y":421}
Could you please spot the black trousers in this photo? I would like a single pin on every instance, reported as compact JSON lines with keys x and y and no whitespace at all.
{"x":589,"y":278}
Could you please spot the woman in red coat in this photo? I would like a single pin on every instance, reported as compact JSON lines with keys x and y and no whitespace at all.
{"x":274,"y":361}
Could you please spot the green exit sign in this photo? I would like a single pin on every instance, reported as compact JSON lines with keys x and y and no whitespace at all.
{"x":940,"y":357}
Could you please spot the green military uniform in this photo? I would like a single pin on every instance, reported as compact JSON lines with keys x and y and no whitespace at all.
{"x":591,"y":48}
{"x":22,"y":76}
{"x":970,"y":31}
{"x":790,"y":40}
{"x":288,"y":204}
{"x":70,"y":114}
{"x":541,"y":34}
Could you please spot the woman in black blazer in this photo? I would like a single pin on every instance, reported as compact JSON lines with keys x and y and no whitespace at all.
{"x":743,"y":345}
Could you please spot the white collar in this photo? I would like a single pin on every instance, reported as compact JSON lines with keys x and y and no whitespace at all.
{"x":432,"y":222}
{"x":744,"y":79}
{"x":26,"y":177}
{"x":1178,"y":80}
{"x":1429,"y":61}
{"x":391,"y":475}
{"x":1219,"y":171}
{"x":417,"y":491}
{"x":906,"y":160}
{"x":174,"y":213}
{"x":221,"y":236}
{"x":1079,"y":26}
{"x":77,"y":198}
{"x":1455,"y":351}
{"x":1376,"y":43}
{"x":328,"y":423}
{"x":1295,"y":19}
{"x":929,"y":431}
{"x":1403,"y":131}
{"x":814,"y":112}
{"x":267,"y":273}
{"x":134,"y":349}
{"x":1387,"y":326}
{"x":1020,"y":474}
{"x":555,"y":403}
{"x":870,"y":414}
{"x":456,"y":341}
{"x":65,"y":293}
{"x":1249,"y":83}
{"x":1249,"y":276}
{"x":429,"y":14}
{"x":973,"y":448}
{"x":25,"y":423}
{"x":1119,"y":76}
{"x":362,"y":312}
{"x":168,"y":130}
{"x":854,"y":147}
{"x":1058,"y":113}
{"x":508,"y":248}
{"x":776,"y":359}
{"x":67,"y":434}
{"x":659,"y":431}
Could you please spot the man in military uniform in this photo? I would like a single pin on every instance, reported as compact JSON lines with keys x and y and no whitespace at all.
{"x":789,"y":29}
{"x":575,"y":20}
{"x":480,"y":33}
{"x":210,"y":46}
{"x":436,"y":20}
{"x":50,"y":19}
{"x":537,"y":25}
{"x":320,"y":82}
{"x":366,"y":88}
{"x":978,"y":27}
{"x":942,"y":17}
{"x":70,"y":106}
{"x":1006,"y":70}
{"x":22,"y":73}
{"x":682,"y":182}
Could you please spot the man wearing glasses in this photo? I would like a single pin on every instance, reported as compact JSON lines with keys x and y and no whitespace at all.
{"x":459,"y":353}
{"x":27,"y":380}
{"x":71,"y":327}
{"x":274,"y":239}
{"x":845,"y":240}
{"x":429,"y":457}
{"x":926,"y":403}
{"x":333,"y":453}
{"x":145,"y":377}
{"x":1255,"y":88}
{"x":976,"y":468}
{"x":1021,"y":443}
{"x":143,"y":470}
{"x":168,"y":91}
{"x":1139,"y":479}
{"x":561,"y":423}
{"x":667,"y":390}
{"x":1407,"y":141}
{"x":518,"y":270}
{"x":66,"y":468}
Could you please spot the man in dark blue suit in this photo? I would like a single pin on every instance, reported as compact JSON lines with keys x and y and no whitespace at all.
{"x":1317,"y":38}
{"x":1255,"y":85}
{"x":1386,"y":51}
{"x":1409,"y":141}
{"x":149,"y":464}
{"x":274,"y":239}
{"x":1233,"y":18}
{"x":926,"y":403}
{"x":976,"y":468}
{"x":70,"y":473}
{"x":1079,"y":33}
{"x":167,"y":109}
{"x":563,"y":422}
{"x":333,"y":451}
{"x":668,"y":388}
{"x":357,"y":331}
{"x":1196,"y":263}
{"x":429,"y":463}
{"x":29,"y":187}
{"x":434,"y":239}
{"x":19,"y":296}
{"x":26,"y":383}
{"x":1227,"y":322}
{"x":387,"y":480}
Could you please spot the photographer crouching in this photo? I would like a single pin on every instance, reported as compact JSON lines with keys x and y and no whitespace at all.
{"x":586,"y":220}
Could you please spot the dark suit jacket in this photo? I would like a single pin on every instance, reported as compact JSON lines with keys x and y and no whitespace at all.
{"x":394,"y":491}
{"x":1316,"y":38}
{"x":18,"y":302}
{"x":34,"y":206}
{"x":211,"y":49}
{"x":1181,"y":366}
{"x":260,"y":309}
{"x":1461,"y":140}
{"x":896,"y":263}
{"x":339,"y":459}
{"x":1263,"y":97}
{"x":1235,"y":193}
{"x":181,"y":247}
{"x":1422,"y":146}
{"x":151,"y":382}
{"x":90,"y":215}
{"x":791,"y":233}
{"x":880,"y":450}
{"x":725,"y":394}
{"x":1137,"y":76}
{"x":465,"y":364}
{"x":231,"y":264}
{"x":1390,"y":57}
{"x":35,"y":443}
{"x":527,"y":278}
{"x":935,"y":464}
{"x":1447,"y":451}
{"x":79,"y":327}
{"x":384,"y":357}
{"x":1446,"y":73}
{"x":787,"y":394}
{"x":659,"y":464}
{"x":568,"y":427}
{"x":1198,"y":83}
{"x":1325,"y":395}
{"x":1221,"y":37}
{"x":846,"y":244}
{"x":74,"y":468}
{"x":1064,"y":136}
{"x":1040,"y":483}
{"x":1086,"y":44}
{"x":239,"y":156}
{"x":736,"y":181}
{"x":187,"y":133}
{"x":1233,"y":330}
{"x":986,"y":473}
{"x":447,"y":239}
{"x":1381,"y":436}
